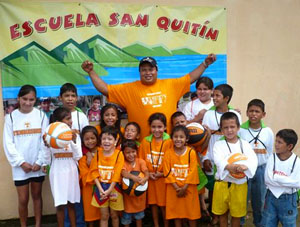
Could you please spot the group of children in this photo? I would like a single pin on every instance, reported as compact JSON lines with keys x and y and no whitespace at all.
{"x":107,"y":153}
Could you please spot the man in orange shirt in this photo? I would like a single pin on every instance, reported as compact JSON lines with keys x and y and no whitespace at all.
{"x":150,"y":94}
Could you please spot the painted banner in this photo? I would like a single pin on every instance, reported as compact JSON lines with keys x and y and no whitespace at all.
{"x":44,"y":43}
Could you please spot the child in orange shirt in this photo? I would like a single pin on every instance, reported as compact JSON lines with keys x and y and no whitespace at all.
{"x":152,"y":150}
{"x":134,"y":206}
{"x":180,"y":170}
{"x":105,"y":172}
{"x":132,"y":132}
{"x":89,"y":138}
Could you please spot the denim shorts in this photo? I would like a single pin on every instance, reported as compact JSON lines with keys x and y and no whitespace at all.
{"x":127,"y":217}
{"x":282,"y":209}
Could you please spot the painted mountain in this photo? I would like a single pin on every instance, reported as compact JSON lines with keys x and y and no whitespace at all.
{"x":140,"y":49}
{"x":35,"y":65}
{"x":108,"y":54}
{"x":71,"y":54}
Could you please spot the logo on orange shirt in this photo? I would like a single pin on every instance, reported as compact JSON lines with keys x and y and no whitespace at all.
{"x":106,"y":173}
{"x":155,"y":158}
{"x":155,"y":99}
{"x":180,"y":171}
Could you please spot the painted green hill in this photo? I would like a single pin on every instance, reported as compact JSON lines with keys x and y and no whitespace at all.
{"x":184,"y":51}
{"x":11,"y":77}
{"x":107,"y":54}
{"x":140,"y":49}
{"x":37,"y":66}
{"x":70,"y":53}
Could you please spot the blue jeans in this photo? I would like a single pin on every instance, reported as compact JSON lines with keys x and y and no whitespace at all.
{"x":127,"y":217}
{"x":283,"y":209}
{"x":79,"y":216}
{"x":256,"y":193}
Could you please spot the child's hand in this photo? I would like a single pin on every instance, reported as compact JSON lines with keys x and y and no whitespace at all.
{"x":241,"y":168}
{"x":136,"y":179}
{"x":232,"y":168}
{"x":207,"y":165}
{"x":106,"y":194}
{"x":44,"y":169}
{"x":142,"y":181}
{"x":159,"y":175}
{"x":74,"y":135}
{"x":152,"y":176}
{"x":87,"y":66}
{"x":26,"y":167}
{"x":36,"y":167}
{"x":45,"y":142}
{"x":199,"y":116}
{"x":89,"y":158}
{"x":181,"y":192}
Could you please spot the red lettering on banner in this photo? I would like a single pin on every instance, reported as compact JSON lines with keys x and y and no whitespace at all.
{"x":92,"y":19}
{"x":142,"y":20}
{"x":126,"y":20}
{"x":55,"y":23}
{"x":163,"y":23}
{"x":79,"y":22}
{"x":188,"y":27}
{"x":68,"y":23}
{"x":203,"y":29}
{"x":14,"y":34}
{"x":114,"y":20}
{"x":176,"y":26}
{"x":38,"y":25}
{"x":28,"y":30}
{"x":212,"y":34}
{"x":195,"y":28}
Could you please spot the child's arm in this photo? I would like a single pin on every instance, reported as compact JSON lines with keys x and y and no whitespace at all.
{"x":289,"y":180}
{"x":143,"y":180}
{"x":76,"y":148}
{"x":252,"y":159}
{"x":109,"y":190}
{"x":14,"y":157}
{"x":39,"y":162}
{"x":182,"y":191}
{"x":97,"y":182}
{"x":128,"y":175}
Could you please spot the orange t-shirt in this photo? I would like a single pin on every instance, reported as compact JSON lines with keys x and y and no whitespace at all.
{"x":106,"y":168}
{"x":154,"y":153}
{"x":134,"y":204}
{"x":91,"y":213}
{"x":142,"y":100}
{"x":181,"y":169}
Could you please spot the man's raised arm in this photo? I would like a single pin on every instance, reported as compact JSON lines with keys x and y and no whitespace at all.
{"x":99,"y":84}
{"x":197,"y":72}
